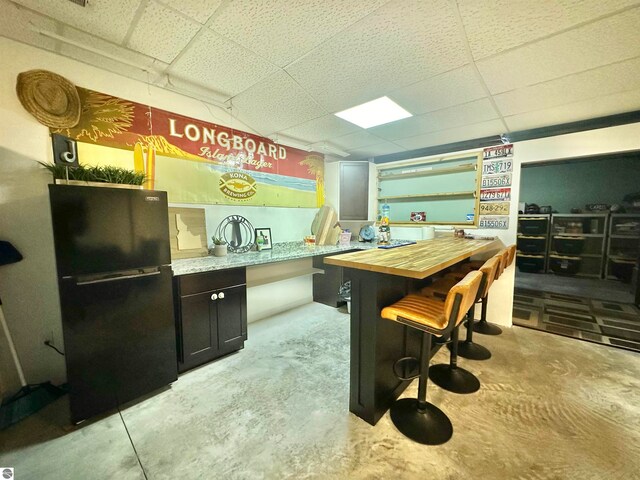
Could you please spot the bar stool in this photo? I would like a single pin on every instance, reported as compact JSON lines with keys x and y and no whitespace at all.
{"x":416,"y":418}
{"x":467,"y":348}
{"x":482,"y":326}
{"x":450,"y":376}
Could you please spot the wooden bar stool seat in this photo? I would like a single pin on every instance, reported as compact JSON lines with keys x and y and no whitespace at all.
{"x":416,"y":418}
{"x":466,"y":348}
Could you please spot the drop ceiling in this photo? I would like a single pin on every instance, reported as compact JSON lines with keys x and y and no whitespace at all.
{"x":464,"y":68}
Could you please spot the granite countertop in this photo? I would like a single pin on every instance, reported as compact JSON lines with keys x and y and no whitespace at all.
{"x":279,"y":253}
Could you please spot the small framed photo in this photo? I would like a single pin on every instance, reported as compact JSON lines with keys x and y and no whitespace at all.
{"x":263,"y":239}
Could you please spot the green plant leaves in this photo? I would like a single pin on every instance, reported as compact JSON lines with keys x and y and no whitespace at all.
{"x":103,"y":174}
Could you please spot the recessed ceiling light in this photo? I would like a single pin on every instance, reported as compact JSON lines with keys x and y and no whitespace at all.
{"x":376,"y":112}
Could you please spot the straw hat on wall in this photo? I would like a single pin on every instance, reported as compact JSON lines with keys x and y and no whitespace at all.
{"x":51,"y":99}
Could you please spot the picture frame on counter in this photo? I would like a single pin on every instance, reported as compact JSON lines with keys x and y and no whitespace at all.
{"x":263,"y":239}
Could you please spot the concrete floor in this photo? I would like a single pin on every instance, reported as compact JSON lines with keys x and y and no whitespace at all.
{"x":549,"y":408}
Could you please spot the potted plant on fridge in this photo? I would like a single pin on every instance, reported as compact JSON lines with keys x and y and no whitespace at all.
{"x":106,"y":176}
{"x":219,"y":247}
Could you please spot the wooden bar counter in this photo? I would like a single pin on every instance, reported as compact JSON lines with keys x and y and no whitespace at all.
{"x":380,"y":277}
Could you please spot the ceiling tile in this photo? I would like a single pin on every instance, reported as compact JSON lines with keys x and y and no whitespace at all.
{"x":450,"y":88}
{"x":384,"y":148}
{"x":107,"y":19}
{"x":319,"y":129}
{"x":618,"y":77}
{"x":275,"y":104}
{"x":152,"y":65}
{"x":266,"y":27}
{"x":442,"y":137}
{"x":386,"y":50}
{"x":573,"y":112}
{"x":357,"y":140}
{"x":220,"y":64}
{"x":162,"y":33}
{"x":15,"y":19}
{"x":199,"y":10}
{"x":468,"y":113}
{"x":490,"y":24}
{"x":607,"y":41}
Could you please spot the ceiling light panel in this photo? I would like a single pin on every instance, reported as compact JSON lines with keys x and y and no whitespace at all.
{"x":376,"y":112}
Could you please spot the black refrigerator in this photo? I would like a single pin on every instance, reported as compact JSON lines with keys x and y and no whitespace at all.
{"x":115,"y":283}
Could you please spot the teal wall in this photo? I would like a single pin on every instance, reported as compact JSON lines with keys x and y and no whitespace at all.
{"x":572,"y":185}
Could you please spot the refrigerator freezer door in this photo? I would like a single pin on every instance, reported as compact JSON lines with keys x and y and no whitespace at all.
{"x":119,"y":337}
{"x":100,"y":230}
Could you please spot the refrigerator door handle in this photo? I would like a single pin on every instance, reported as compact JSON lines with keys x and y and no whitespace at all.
{"x":115,"y":279}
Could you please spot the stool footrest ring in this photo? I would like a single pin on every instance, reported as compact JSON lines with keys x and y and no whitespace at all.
{"x":411,"y":362}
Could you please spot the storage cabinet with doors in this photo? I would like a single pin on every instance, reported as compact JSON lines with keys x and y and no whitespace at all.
{"x":623,"y":248}
{"x":211,"y":317}
{"x":577,"y":243}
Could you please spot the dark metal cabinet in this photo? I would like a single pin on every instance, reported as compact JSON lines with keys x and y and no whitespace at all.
{"x":211,"y":317}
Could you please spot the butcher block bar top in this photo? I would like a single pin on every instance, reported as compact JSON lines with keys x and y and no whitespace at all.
{"x":419,"y":260}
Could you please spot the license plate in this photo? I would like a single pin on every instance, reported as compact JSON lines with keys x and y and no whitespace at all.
{"x":495,"y":195}
{"x":493,"y":167}
{"x":494,"y":222}
{"x":498,"y":152}
{"x":490,"y":181}
{"x":495,"y":208}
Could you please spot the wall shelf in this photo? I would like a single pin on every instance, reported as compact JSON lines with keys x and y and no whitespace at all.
{"x":467,"y":167}
{"x":426,"y":196}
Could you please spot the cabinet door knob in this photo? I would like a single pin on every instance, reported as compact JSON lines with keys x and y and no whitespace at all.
{"x":221,"y":295}
{"x":214,"y":296}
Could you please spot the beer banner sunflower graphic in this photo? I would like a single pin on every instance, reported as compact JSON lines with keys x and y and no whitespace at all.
{"x":193,"y":160}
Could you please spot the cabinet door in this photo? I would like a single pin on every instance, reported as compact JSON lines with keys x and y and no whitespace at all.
{"x":199,"y":330}
{"x":354,"y":191}
{"x":231,"y":319}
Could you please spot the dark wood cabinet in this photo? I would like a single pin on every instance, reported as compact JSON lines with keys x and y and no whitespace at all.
{"x":211,"y":316}
{"x":354,"y":190}
{"x":327,"y":285}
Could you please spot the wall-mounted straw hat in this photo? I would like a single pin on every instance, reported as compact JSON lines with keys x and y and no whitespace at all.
{"x":51,"y":99}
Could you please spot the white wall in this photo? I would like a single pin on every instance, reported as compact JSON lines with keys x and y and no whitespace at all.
{"x":28,"y":289}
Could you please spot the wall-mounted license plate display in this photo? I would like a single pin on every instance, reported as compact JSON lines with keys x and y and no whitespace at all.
{"x":493,"y":167}
{"x":495,"y":195}
{"x":494,"y":222}
{"x":494,"y":208}
{"x":491,"y":181}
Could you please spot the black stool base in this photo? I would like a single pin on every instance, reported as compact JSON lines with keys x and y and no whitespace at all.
{"x":486,"y":328}
{"x":472,"y":351}
{"x":456,"y":380}
{"x":430,"y":427}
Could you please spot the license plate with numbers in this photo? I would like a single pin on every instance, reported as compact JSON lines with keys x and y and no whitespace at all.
{"x":495,"y":222}
{"x":491,"y":181}
{"x":494,"y":208}
{"x":493,"y":167}
{"x":495,"y":195}
{"x":498,"y":152}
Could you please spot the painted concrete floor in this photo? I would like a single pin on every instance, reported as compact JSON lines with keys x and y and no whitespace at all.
{"x":612,"y":290}
{"x":549,"y":408}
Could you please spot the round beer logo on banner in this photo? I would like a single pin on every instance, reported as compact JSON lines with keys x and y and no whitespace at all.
{"x":238,"y":185}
